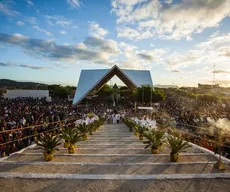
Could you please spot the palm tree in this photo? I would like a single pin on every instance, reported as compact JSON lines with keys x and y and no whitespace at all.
{"x":65,"y":135}
{"x":155,"y":138}
{"x":141,"y":129}
{"x":135,"y":132}
{"x":176,"y":144}
{"x":49,"y":144}
{"x":73,"y":137}
{"x":91,"y":127}
{"x":84,"y":129}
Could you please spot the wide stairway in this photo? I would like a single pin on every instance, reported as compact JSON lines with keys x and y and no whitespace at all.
{"x":112,"y":159}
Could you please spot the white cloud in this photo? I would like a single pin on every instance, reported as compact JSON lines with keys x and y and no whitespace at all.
{"x":95,"y":30}
{"x":172,"y":21}
{"x":63,"y":32}
{"x":32,"y":20}
{"x":168,"y":1}
{"x":20,"y":23}
{"x":73,"y":3}
{"x":173,"y":70}
{"x":6,"y":11}
{"x":215,"y":50}
{"x":59,"y":20}
{"x":30,"y":3}
{"x":42,"y":30}
{"x":64,"y":23}
{"x":50,"y":22}
{"x":188,"y":38}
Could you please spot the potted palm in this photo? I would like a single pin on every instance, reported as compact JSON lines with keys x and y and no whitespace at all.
{"x":91,"y":127}
{"x":49,"y":144}
{"x":135,"y":132}
{"x":141,"y":129}
{"x":65,"y":135}
{"x":155,"y":138}
{"x":176,"y":144}
{"x":74,"y":137}
{"x":83,"y":129}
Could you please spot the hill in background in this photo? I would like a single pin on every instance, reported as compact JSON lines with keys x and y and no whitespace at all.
{"x":11,"y":84}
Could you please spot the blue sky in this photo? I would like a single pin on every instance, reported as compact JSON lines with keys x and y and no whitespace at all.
{"x":178,"y":40}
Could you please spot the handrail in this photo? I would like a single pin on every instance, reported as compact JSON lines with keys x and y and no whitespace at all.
{"x":211,"y":141}
{"x":202,"y":128}
{"x":32,"y":135}
{"x":33,"y":126}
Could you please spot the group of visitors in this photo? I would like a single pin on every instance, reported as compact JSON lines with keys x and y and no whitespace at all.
{"x":21,"y":119}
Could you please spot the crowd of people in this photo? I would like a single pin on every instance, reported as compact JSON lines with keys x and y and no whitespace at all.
{"x":21,"y":119}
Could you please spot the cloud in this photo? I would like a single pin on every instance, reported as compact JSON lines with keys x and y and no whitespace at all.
{"x":95,"y":30}
{"x":32,"y":20}
{"x":42,"y":30}
{"x":59,"y":20}
{"x":20,"y":23}
{"x":168,"y":21}
{"x":23,"y":66}
{"x":188,"y":38}
{"x":151,"y":55}
{"x":168,"y":1}
{"x":106,"y":45}
{"x":74,"y":4}
{"x":50,"y":50}
{"x":145,"y":56}
{"x":63,"y":32}
{"x":91,"y":50}
{"x":30,"y":3}
{"x":6,"y":11}
{"x":221,"y":71}
{"x":216,"y":49}
{"x":50,"y":22}
{"x":174,"y":70}
{"x":64,"y":23}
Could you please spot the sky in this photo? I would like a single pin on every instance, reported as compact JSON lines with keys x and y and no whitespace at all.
{"x":181,"y":42}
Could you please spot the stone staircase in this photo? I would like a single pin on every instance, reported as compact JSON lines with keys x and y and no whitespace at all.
{"x":112,"y":159}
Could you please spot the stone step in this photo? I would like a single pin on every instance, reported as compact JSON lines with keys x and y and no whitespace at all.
{"x":82,"y":177}
{"x":112,"y":158}
{"x":98,"y":151}
{"x":131,"y":150}
{"x":112,"y":169}
{"x":111,"y":146}
{"x":114,"y":139}
{"x":105,"y":142}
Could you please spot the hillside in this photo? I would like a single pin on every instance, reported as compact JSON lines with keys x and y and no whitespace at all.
{"x":9,"y":84}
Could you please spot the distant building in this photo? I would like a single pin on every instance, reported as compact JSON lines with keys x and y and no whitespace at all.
{"x":11,"y":94}
{"x":207,"y":86}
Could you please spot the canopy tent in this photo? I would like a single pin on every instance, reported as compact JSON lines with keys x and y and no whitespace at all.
{"x":91,"y":81}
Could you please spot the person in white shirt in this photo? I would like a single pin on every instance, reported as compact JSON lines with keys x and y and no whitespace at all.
{"x":118,"y":118}
{"x":114,"y":118}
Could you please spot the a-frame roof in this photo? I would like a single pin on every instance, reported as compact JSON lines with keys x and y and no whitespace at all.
{"x":91,"y":81}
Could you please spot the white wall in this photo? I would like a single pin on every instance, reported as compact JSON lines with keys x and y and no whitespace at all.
{"x":27,"y":93}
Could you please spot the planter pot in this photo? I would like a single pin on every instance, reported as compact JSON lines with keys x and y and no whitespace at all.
{"x":3,"y":154}
{"x":140,"y":137}
{"x":66,"y":144}
{"x":174,"y":157}
{"x":48,"y":156}
{"x":155,"y":151}
{"x":85,"y":137}
{"x":135,"y":133}
{"x":71,"y":149}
